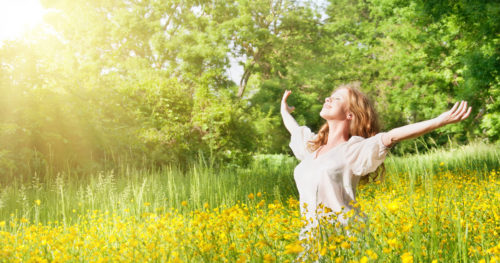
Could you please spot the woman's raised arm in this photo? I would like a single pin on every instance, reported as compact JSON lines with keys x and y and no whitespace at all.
{"x":290,"y":123}
{"x":456,"y":114}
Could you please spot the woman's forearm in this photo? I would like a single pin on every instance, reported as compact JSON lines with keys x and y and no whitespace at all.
{"x":459,"y":112}
{"x":409,"y":131}
{"x":290,"y":123}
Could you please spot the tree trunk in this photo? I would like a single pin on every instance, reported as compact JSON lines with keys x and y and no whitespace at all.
{"x":244,"y":81}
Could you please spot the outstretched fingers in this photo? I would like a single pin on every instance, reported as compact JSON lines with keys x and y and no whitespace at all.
{"x":464,"y":109}
{"x":454,"y":108}
{"x":459,"y":113}
{"x":466,"y":114}
{"x":460,"y":109}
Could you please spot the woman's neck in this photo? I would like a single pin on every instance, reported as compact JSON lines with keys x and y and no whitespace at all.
{"x":338,"y":132}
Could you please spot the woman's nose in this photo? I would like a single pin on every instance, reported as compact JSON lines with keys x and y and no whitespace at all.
{"x":327,"y":99}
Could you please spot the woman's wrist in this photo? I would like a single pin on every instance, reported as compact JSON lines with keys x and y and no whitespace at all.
{"x":438,"y":122}
{"x":283,"y":108}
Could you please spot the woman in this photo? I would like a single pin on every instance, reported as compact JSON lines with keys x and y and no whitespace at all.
{"x":348,"y":147}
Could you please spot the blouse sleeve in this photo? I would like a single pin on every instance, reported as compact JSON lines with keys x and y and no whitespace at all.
{"x":298,"y":143}
{"x":365,"y":155}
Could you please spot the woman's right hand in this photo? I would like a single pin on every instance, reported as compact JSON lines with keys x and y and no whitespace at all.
{"x":284,"y":105}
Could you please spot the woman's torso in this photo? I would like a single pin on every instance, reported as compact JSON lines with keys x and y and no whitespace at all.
{"x":325,"y":179}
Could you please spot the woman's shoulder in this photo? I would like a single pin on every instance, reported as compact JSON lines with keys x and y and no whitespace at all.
{"x":359,"y":143}
{"x":355,"y":139}
{"x":360,"y":140}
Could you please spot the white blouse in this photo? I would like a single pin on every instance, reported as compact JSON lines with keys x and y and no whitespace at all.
{"x":333,"y":176}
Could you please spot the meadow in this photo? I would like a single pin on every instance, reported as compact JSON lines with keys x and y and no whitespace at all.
{"x":441,"y":206}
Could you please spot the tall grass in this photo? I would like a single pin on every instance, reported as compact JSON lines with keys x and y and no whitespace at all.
{"x":480,"y":157}
{"x":63,"y":196}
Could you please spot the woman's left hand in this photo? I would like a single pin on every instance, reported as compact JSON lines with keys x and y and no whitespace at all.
{"x":456,"y":114}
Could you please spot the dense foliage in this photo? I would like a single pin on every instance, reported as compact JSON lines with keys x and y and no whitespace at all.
{"x":145,"y":82}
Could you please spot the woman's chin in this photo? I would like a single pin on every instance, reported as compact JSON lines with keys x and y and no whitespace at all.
{"x":328,"y":116}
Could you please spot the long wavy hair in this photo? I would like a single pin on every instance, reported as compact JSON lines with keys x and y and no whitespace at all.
{"x":365,"y":124}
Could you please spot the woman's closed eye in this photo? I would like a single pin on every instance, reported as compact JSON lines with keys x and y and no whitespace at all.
{"x":331,"y":98}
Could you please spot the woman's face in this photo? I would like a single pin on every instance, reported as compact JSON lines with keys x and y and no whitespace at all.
{"x":335,"y":106}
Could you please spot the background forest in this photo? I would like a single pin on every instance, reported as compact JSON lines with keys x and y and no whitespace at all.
{"x":104,"y":83}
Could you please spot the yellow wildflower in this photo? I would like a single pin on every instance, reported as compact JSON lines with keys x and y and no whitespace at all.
{"x":345,"y":245}
{"x":407,"y":258}
{"x":371,"y":254}
{"x":268,"y":258}
{"x":393,"y":206}
{"x":294,"y":248}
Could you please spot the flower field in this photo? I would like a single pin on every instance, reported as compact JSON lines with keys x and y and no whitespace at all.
{"x":447,"y":213}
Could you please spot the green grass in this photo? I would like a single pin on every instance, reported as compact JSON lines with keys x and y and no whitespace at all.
{"x":477,"y":156}
{"x":64,"y":196}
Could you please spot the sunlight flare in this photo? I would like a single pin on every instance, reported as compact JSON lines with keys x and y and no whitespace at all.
{"x":18,"y":16}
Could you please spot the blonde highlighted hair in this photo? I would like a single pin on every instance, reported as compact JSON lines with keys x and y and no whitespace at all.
{"x":365,"y":122}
